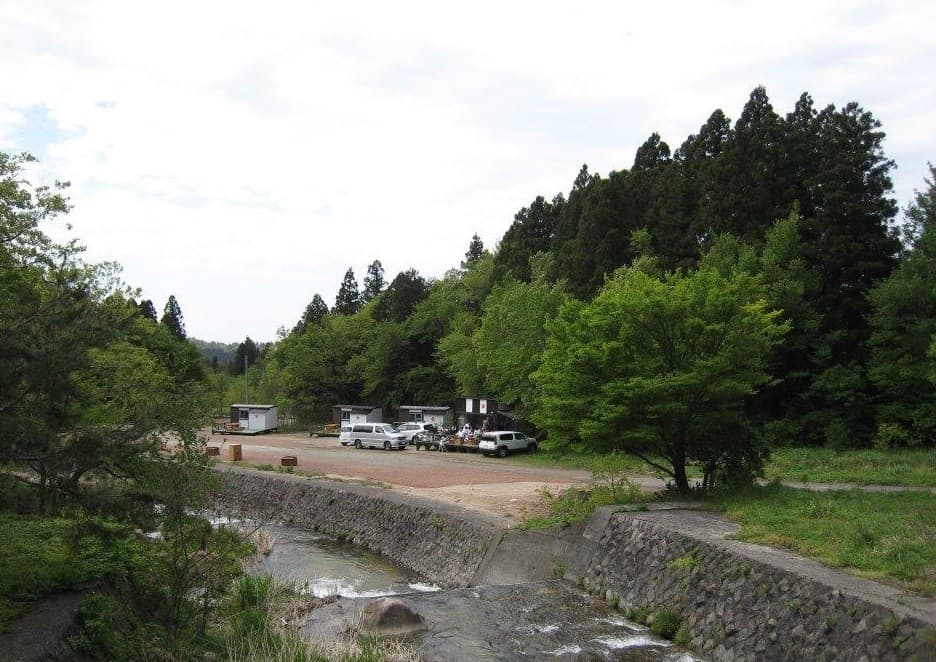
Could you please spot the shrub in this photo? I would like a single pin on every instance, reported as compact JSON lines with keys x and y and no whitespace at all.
{"x":666,"y":623}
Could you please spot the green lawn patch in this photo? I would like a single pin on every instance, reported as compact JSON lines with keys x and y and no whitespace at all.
{"x":911,"y":467}
{"x":879,"y":536}
{"x":40,"y":556}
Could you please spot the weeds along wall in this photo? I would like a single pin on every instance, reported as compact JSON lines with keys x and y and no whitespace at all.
{"x":444,"y":545}
{"x":731,"y":600}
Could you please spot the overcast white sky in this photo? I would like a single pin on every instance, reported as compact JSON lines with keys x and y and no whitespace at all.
{"x":243,"y":155}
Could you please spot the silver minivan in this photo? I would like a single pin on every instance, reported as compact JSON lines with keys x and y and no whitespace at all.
{"x":377,"y":435}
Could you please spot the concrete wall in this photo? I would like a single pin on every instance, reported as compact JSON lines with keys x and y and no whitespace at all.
{"x":736,"y":601}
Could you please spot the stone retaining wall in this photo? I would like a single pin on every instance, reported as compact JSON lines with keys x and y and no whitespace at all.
{"x":735,"y":600}
{"x":444,"y":545}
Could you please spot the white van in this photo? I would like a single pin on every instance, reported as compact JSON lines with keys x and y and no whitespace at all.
{"x":345,"y":435}
{"x":377,"y":435}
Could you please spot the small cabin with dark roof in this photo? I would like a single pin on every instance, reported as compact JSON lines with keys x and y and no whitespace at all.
{"x":347,"y":415}
{"x":425,"y":414}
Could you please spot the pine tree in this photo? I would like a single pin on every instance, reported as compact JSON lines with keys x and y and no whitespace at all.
{"x":475,"y":250}
{"x":172,"y":318}
{"x":246,"y":355}
{"x":348,"y":300}
{"x":373,"y":281}
{"x":314,"y":313}
{"x":148,"y":310}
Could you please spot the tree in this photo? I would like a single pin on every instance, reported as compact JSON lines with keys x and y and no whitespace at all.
{"x":373,"y":281}
{"x":532,"y":231}
{"x":475,"y":250}
{"x":172,"y":318}
{"x":903,"y":326}
{"x":399,"y":300}
{"x":148,"y":310}
{"x":348,"y":300}
{"x":509,"y":343}
{"x":246,"y":355}
{"x":661,"y":368}
{"x":314,"y":313}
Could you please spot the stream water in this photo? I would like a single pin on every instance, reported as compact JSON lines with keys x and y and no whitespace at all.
{"x":542,"y":621}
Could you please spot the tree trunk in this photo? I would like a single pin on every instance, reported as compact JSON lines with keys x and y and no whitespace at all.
{"x":679,"y":466}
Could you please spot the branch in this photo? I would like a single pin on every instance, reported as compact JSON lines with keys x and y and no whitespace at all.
{"x":668,"y":472}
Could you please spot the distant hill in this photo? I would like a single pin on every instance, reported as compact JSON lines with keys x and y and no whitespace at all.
{"x":224,"y":352}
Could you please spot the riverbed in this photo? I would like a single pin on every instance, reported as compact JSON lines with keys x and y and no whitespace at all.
{"x":551,"y":620}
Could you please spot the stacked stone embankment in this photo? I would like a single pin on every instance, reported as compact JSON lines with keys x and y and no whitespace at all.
{"x":446,"y":545}
{"x":733,"y":600}
{"x":738,"y":601}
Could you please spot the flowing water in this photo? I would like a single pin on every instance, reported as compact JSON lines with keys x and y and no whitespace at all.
{"x":541,"y":621}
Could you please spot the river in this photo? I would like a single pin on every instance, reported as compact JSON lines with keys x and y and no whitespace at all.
{"x":541,"y":621}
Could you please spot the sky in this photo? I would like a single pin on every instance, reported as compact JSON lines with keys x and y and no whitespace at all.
{"x":242,"y":156}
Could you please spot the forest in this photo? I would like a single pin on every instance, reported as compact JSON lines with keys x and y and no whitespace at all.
{"x":755,"y":288}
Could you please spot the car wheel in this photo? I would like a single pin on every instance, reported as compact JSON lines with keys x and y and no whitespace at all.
{"x":502,"y":451}
{"x":386,"y":445}
{"x":531,"y":448}
{"x":357,"y":443}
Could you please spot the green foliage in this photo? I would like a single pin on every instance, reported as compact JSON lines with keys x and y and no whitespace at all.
{"x":348,"y":300}
{"x":661,"y":368}
{"x":575,"y":504}
{"x":903,"y":328}
{"x":373,"y":282}
{"x":172,"y":318}
{"x":666,"y":623}
{"x":684,"y":564}
{"x":507,"y":347}
{"x":41,"y":556}
{"x":881,"y":536}
{"x":910,"y":467}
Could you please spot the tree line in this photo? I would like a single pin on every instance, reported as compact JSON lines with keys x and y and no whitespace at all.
{"x":753,"y":285}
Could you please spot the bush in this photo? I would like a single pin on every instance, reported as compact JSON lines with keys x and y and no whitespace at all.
{"x":666,"y":623}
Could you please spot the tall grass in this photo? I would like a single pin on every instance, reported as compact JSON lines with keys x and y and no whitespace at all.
{"x":907,"y":467}
{"x":880,"y":536}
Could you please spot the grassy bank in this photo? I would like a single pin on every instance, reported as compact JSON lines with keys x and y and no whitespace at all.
{"x":880,"y":536}
{"x":884,"y":536}
{"x":41,"y":556}
{"x":914,"y":467}
{"x":906,"y":467}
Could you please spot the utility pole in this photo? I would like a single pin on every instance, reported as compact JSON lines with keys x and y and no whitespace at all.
{"x":246,"y":393}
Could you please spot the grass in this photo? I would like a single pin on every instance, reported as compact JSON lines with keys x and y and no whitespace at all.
{"x":901,"y":467}
{"x":41,"y":556}
{"x":890,"y":537}
{"x":906,"y":467}
{"x":573,"y":505}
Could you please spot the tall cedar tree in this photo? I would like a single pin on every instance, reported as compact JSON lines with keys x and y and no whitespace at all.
{"x":246,"y":355}
{"x":903,"y":329}
{"x":148,"y":310}
{"x":475,"y":250}
{"x":172,"y":318}
{"x":348,"y":300}
{"x":314,"y":313}
{"x":373,"y":281}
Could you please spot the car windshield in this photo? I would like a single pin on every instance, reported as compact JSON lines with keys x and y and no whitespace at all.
{"x":390,"y":427}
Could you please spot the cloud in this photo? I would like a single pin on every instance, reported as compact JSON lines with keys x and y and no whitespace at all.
{"x":243,"y":157}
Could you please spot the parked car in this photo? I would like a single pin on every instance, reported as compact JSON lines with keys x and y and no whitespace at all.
{"x":502,"y":442}
{"x":377,"y":435}
{"x":411,"y":428}
{"x":345,"y":435}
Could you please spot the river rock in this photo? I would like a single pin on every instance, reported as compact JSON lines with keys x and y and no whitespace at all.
{"x":390,"y":617}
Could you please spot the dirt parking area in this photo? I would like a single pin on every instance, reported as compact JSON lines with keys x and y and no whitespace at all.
{"x":499,"y":486}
